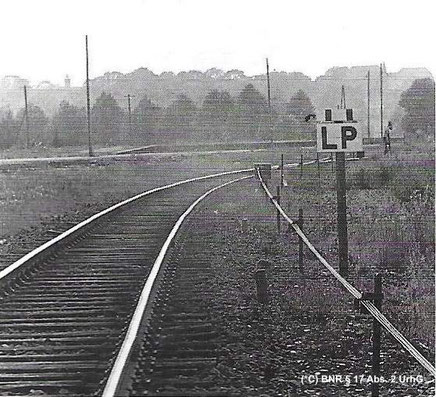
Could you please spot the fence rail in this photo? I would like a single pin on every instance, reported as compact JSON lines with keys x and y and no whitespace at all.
{"x":387,"y":325}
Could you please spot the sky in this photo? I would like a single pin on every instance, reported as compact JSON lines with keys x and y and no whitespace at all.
{"x":44,"y":39}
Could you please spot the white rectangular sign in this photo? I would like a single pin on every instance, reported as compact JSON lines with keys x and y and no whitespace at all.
{"x":338,"y":137}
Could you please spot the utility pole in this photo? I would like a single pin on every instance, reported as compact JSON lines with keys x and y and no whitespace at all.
{"x":381,"y":100}
{"x":268,"y":84}
{"x":369,"y":99}
{"x":26,"y":115}
{"x":128,"y":96}
{"x":269,"y":98}
{"x":88,"y":103}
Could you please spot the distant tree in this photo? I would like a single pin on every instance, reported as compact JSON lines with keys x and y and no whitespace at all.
{"x":252,"y":110}
{"x":294,"y":124}
{"x":167,"y":75}
{"x":300,"y":105}
{"x":252,"y":100}
{"x":37,"y":124}
{"x":146,"y":116}
{"x":234,"y":74}
{"x":8,"y":130}
{"x":218,"y":102}
{"x":69,"y":125}
{"x":418,"y":103}
{"x":107,"y":118}
{"x":180,"y":115}
{"x":214,"y":73}
{"x":191,"y":75}
{"x":216,"y":112}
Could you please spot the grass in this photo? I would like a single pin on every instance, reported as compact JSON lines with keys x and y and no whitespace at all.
{"x":65,"y":151}
{"x":31,"y":194}
{"x":311,"y":310}
{"x":390,"y":216}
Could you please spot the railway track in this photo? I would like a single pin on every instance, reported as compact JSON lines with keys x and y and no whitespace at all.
{"x":65,"y":308}
{"x":105,"y":314}
{"x":178,"y":350}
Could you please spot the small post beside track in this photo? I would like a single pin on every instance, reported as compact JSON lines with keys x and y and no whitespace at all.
{"x":244,"y":225}
{"x":318,"y":166}
{"x":376,"y":298}
{"x":261,"y":285}
{"x":300,"y":242}
{"x":376,"y":336}
{"x":301,"y":167}
{"x":278,"y":212}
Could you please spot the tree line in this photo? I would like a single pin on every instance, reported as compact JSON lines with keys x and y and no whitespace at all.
{"x":220,"y":117}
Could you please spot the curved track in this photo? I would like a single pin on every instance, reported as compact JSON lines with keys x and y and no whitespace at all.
{"x":65,"y":308}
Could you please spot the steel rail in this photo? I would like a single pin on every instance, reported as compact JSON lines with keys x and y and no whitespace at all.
{"x":44,"y":248}
{"x":353,"y":291}
{"x":35,"y":253}
{"x":113,"y":383}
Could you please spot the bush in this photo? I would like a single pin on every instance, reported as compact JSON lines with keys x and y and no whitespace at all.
{"x":373,"y":178}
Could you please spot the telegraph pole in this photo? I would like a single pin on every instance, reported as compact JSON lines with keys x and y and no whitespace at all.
{"x":381,"y":100}
{"x":269,"y":99}
{"x":88,"y":103}
{"x":369,"y":99}
{"x":268,"y":85}
{"x":128,"y":96}
{"x":26,"y":115}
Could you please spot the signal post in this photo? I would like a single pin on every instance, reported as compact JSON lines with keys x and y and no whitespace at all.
{"x":338,"y":134}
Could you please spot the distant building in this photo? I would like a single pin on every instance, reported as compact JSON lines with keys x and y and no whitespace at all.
{"x":13,"y":83}
{"x":67,"y":81}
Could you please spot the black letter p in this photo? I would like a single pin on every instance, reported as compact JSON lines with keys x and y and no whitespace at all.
{"x":347,"y":137}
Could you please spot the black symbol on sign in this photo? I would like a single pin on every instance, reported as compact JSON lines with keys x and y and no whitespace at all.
{"x":347,"y":137}
{"x":325,"y":145}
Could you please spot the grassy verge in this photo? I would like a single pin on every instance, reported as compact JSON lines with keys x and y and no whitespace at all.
{"x":309,"y":324}
{"x":390,"y":216}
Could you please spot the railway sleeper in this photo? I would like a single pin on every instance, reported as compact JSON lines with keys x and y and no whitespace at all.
{"x":4,"y":359}
{"x":49,"y":346}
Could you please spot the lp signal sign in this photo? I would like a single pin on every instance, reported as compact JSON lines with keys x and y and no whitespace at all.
{"x":339,"y":134}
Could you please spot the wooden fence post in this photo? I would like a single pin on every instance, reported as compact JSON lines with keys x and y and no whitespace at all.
{"x":261,"y":286}
{"x":300,"y":241}
{"x":278,"y":212}
{"x":376,"y":337}
{"x":301,"y":167}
